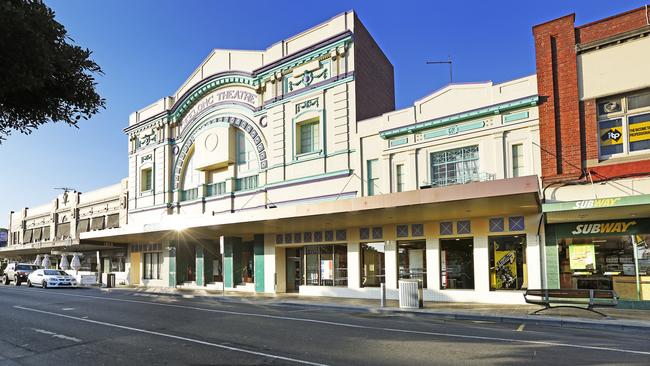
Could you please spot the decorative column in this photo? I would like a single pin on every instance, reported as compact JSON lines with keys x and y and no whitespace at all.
{"x":172,"y":263}
{"x":199,"y":270}
{"x":258,"y":264}
{"x":228,"y":263}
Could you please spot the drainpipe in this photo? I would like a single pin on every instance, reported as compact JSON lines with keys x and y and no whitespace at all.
{"x":636,"y":267}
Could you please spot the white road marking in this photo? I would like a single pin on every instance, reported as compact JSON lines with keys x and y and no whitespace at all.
{"x":520,"y":328}
{"x":347,"y":325}
{"x":56,"y":335}
{"x":67,"y":309}
{"x":222,"y":346}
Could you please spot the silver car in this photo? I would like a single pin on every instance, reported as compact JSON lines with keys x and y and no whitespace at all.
{"x":51,"y":278}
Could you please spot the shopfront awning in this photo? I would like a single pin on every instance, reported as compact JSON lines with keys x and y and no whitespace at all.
{"x":32,"y":249}
{"x":480,"y":199}
{"x":626,"y":207}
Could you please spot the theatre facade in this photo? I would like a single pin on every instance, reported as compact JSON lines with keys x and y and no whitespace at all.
{"x":289,"y":170}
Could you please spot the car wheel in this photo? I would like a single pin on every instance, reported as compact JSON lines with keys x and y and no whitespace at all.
{"x":44,"y":284}
{"x":16,"y":282}
{"x":5,"y":279}
{"x":29,"y":283}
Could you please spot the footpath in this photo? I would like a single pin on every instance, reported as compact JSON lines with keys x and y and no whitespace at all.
{"x":616,"y":320}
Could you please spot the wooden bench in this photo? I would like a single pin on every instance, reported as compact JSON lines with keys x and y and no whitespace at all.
{"x":571,"y":298}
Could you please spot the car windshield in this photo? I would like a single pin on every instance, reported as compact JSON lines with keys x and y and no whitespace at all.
{"x":26,"y":267}
{"x":53,"y":272}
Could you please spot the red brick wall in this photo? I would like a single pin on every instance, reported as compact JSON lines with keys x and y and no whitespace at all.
{"x":374,"y":79}
{"x":611,"y":26}
{"x":557,"y":86}
{"x":568,"y":126}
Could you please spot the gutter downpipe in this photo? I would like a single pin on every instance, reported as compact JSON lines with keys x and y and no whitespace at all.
{"x":542,"y":252}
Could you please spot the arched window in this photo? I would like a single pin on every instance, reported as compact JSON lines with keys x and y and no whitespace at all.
{"x":246,"y":155}
{"x":191,"y":176}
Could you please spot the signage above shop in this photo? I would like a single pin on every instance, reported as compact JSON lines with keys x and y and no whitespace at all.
{"x":641,"y":199}
{"x":602,"y":228}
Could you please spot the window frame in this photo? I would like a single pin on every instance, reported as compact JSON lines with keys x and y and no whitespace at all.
{"x":430,"y":162}
{"x":440,"y":259}
{"x":316,"y":136}
{"x":624,"y":115}
{"x":524,"y":261}
{"x":382,"y":266}
{"x":371,"y":186}
{"x":400,"y":184}
{"x":147,"y":258}
{"x":149,"y":171}
{"x":521,"y":170}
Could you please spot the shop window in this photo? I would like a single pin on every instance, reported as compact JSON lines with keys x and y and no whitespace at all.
{"x":373,"y":176}
{"x":412,"y":261}
{"x":146,"y":180}
{"x":364,"y":233}
{"x":326,"y":265}
{"x":457,"y":166}
{"x":373,"y":265}
{"x":507,"y":262}
{"x":624,"y":124}
{"x":308,"y":136}
{"x":377,"y":232}
{"x":604,"y":263}
{"x":402,"y":231}
{"x":152,"y":264}
{"x":399,"y":177}
{"x":517,"y":160}
{"x":457,"y":264}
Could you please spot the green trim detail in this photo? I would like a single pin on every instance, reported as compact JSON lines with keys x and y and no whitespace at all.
{"x":306,"y":58}
{"x":398,"y":142}
{"x":196,"y":95}
{"x":515,"y":116}
{"x":477,"y":113}
{"x":641,"y":199}
{"x":452,"y":130}
{"x":228,"y":263}
{"x":258,"y":252}
{"x":308,"y":90}
{"x":309,"y":178}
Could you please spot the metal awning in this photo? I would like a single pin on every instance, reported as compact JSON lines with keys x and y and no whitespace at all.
{"x":480,"y":199}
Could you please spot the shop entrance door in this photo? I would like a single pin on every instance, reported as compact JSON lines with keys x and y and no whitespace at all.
{"x":135,"y":268}
{"x":294,"y":269}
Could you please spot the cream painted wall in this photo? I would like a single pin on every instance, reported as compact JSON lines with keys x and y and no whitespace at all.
{"x":614,"y":69}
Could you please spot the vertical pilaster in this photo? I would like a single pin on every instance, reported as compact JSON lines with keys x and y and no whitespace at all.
{"x":258,"y":264}
{"x":354,"y":273}
{"x":172,"y":264}
{"x":228,"y":263}
{"x":200,"y":273}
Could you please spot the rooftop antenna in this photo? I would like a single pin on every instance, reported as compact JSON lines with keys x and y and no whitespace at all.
{"x":448,"y":62}
{"x":66,"y":189}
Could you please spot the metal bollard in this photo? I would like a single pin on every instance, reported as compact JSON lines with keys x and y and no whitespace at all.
{"x":382,"y":287}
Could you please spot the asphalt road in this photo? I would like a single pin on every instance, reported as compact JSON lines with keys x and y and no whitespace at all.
{"x":88,"y":326}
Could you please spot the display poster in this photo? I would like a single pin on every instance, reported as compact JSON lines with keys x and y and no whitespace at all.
{"x":611,"y":136}
{"x":640,"y":131}
{"x":506,"y":268}
{"x":327,"y":269}
{"x":582,"y":257}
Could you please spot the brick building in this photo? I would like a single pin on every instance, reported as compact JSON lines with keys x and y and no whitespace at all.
{"x":594,"y":87}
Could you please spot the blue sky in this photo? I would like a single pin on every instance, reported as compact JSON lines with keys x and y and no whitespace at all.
{"x":148,"y":48}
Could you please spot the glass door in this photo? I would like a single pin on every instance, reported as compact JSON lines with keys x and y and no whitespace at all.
{"x":294,"y":269}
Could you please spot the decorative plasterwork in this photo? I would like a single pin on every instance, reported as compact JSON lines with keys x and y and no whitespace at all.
{"x":477,"y":113}
{"x":248,"y":127}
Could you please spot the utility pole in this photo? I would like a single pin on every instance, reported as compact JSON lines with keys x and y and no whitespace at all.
{"x":448,"y":62}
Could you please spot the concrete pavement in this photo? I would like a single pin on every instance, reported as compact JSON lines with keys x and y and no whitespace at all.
{"x":88,"y":326}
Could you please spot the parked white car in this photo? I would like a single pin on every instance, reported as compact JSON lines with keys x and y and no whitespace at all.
{"x":51,"y":278}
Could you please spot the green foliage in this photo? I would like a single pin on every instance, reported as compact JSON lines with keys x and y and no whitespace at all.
{"x":43,"y":78}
